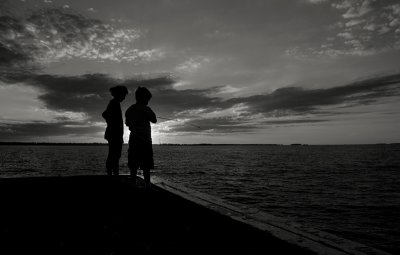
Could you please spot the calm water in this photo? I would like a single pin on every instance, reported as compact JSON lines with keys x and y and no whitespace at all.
{"x":350,"y":191}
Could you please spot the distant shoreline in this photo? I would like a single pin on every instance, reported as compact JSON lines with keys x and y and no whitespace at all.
{"x":177,"y":144}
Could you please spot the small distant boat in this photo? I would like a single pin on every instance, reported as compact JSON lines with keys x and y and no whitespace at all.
{"x":99,"y":215}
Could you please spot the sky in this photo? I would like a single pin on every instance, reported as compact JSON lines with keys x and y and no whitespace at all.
{"x":220,"y":71}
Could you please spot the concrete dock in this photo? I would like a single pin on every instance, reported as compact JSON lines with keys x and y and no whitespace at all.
{"x":98,"y":215}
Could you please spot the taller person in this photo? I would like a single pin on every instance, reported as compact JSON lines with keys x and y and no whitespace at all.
{"x":138,"y":118}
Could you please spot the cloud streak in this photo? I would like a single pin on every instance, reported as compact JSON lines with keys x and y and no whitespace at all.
{"x":296,"y":99}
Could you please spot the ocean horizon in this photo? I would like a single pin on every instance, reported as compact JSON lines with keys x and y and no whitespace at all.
{"x":199,"y":144}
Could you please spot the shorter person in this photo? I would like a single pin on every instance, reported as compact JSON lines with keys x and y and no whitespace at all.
{"x":115,"y":129}
{"x":138,"y":118}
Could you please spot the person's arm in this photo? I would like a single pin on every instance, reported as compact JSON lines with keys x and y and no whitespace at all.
{"x":151,"y":115}
{"x":128,"y":119}
{"x":107,"y":113}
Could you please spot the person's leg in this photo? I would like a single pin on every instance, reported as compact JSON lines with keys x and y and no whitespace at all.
{"x":133,"y":172}
{"x":114,"y":154}
{"x":117,"y":156}
{"x":132,"y":163}
{"x":116,"y":169}
{"x":109,"y":161}
{"x":146,"y":175}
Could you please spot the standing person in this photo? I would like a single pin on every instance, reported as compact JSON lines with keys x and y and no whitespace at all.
{"x":115,"y":129}
{"x":138,"y":118}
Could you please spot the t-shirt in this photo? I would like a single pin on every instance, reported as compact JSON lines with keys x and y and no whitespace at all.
{"x":138,"y":118}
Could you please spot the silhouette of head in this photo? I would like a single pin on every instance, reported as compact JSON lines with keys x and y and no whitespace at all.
{"x":142,"y":95}
{"x":119,"y":92}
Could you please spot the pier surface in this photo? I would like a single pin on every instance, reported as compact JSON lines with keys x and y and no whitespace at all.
{"x":97,"y":215}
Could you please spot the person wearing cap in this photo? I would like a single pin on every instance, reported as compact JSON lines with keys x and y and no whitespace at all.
{"x":115,"y":129}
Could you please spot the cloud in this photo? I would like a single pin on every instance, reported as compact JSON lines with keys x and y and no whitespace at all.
{"x":357,"y":9}
{"x":346,"y":35}
{"x":317,"y":1}
{"x":213,"y":126}
{"x":290,"y":105}
{"x":354,"y":22}
{"x":342,"y":5}
{"x":40,"y":131}
{"x":223,"y":125}
{"x":192,"y":65}
{"x":295,"y":99}
{"x":373,"y":24}
{"x":88,"y":96}
{"x":370,"y":27}
{"x":52,"y":35}
{"x":86,"y":93}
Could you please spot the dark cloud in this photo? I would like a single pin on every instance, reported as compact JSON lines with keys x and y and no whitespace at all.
{"x":169,"y":101}
{"x":294,"y":100}
{"x":9,"y":57}
{"x":86,"y":93}
{"x":12,"y":53}
{"x":89,"y":94}
{"x":214,"y":125}
{"x":39,"y":131}
{"x":233,"y":125}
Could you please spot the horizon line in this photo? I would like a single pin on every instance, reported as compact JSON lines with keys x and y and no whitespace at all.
{"x":189,"y":144}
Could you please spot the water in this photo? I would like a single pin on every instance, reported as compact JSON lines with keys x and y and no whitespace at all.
{"x":350,"y":191}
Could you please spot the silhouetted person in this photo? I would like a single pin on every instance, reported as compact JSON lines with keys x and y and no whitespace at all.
{"x":115,"y":129}
{"x":138,"y":118}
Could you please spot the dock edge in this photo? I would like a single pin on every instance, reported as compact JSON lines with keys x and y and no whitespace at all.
{"x":306,"y":237}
